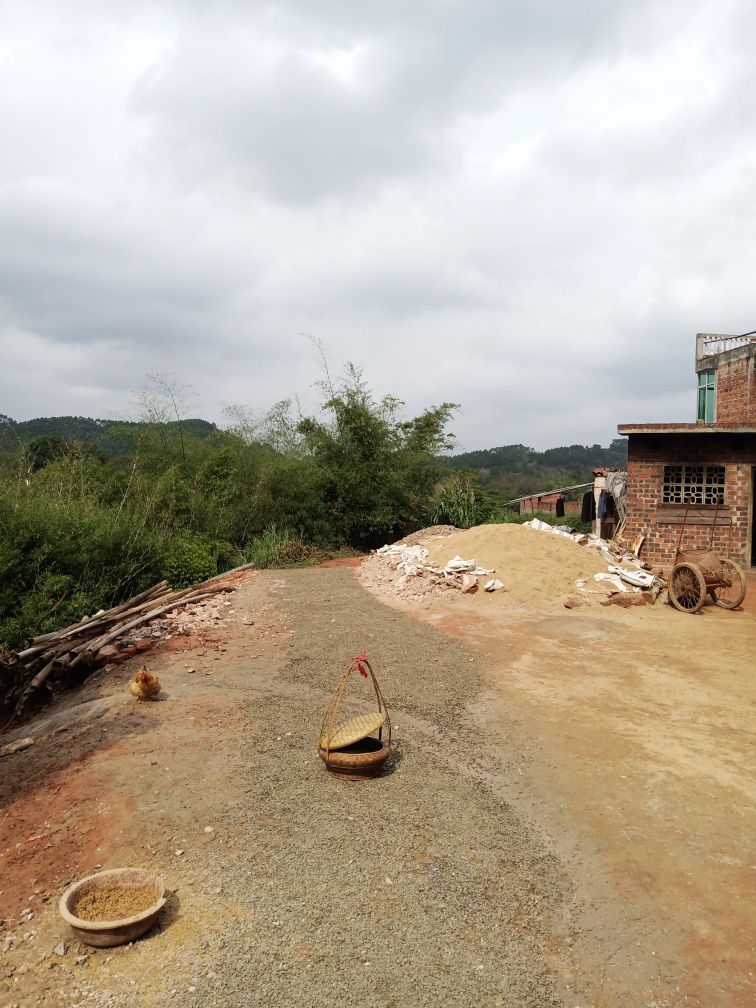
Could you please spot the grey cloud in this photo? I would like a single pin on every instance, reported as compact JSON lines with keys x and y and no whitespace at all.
{"x":291,"y":127}
{"x":76,"y":273}
{"x":479,"y":208}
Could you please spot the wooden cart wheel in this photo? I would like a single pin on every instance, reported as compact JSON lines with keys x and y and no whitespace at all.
{"x":732,"y":591}
{"x":687,"y":588}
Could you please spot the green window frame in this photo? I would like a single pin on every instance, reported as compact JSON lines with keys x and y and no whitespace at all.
{"x":707,"y":396}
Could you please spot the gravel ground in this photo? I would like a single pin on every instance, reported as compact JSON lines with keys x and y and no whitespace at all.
{"x":424,"y":887}
{"x":292,"y":888}
{"x":419,"y":669}
{"x":416,"y":888}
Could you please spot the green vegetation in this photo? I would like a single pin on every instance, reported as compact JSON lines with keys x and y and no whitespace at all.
{"x":188,"y":561}
{"x":94,"y":511}
{"x":457,"y":502}
{"x":280,"y":548}
{"x":461,"y":500}
{"x":515,"y":470}
{"x":84,"y":525}
{"x":113,"y":437}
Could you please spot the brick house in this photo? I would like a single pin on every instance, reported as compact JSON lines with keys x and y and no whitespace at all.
{"x":707,"y":468}
{"x":548,"y":502}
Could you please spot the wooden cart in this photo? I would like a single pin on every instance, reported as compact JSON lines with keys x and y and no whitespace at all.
{"x":699,"y":573}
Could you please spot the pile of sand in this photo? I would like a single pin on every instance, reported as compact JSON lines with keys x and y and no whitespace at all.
{"x":536,"y":567}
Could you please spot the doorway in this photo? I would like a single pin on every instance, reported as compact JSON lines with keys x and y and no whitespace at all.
{"x":753,"y":517}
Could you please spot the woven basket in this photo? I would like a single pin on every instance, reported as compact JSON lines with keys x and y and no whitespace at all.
{"x":349,"y":749}
{"x":351,"y":731}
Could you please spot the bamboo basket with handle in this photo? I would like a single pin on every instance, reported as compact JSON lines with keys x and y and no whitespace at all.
{"x":348,"y":748}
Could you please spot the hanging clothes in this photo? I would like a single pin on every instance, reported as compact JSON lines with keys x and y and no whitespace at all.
{"x":601,"y":512}
{"x":588,"y":510}
{"x":560,"y":506}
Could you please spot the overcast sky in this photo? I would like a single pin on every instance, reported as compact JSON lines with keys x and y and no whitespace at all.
{"x":526,"y":208}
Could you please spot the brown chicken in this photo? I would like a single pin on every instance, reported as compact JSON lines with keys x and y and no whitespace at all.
{"x":144,"y":684}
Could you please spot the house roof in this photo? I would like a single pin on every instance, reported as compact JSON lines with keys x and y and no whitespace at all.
{"x":684,"y":428}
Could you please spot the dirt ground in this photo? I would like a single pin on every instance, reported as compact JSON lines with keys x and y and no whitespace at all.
{"x":568,"y":820}
{"x":636,"y":734}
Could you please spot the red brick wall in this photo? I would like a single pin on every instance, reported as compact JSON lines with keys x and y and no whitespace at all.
{"x":547,"y":502}
{"x":736,"y":391}
{"x":647,"y":456}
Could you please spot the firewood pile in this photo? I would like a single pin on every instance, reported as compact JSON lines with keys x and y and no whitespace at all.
{"x":64,"y":658}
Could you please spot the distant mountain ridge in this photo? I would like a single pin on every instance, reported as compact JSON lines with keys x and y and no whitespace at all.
{"x":511,"y":469}
{"x":86,"y":430}
{"x":516,"y":469}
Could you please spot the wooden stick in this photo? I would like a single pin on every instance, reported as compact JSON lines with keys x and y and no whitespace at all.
{"x":96,"y":645}
{"x":62,"y":648}
{"x":234,"y":570}
{"x":81,"y":642}
{"x":174,"y":598}
{"x":125,"y":608}
{"x":112,"y":632}
{"x":88,"y":631}
{"x":91,"y":620}
{"x":36,"y":682}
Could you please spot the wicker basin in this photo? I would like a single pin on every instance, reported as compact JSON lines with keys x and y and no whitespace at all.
{"x":357,"y":761}
{"x":105,"y":934}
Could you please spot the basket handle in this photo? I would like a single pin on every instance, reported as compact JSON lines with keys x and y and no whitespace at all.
{"x":361,"y":664}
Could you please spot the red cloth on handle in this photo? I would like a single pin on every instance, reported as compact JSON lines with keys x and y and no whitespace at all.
{"x":358,"y":662}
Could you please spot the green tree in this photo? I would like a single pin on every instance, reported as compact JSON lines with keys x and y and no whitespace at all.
{"x":44,"y":450}
{"x":378,"y":471}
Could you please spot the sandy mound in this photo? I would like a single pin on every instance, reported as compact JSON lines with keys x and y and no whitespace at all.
{"x":432,"y":532}
{"x":538,"y":569}
{"x":534,"y":566}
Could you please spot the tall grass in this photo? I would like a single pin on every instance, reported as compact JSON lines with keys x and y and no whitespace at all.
{"x":455,"y":505}
{"x":60,"y":559}
{"x":278,"y":548}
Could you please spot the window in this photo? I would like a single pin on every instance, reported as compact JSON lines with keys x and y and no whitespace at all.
{"x":707,"y":385}
{"x":694,"y":485}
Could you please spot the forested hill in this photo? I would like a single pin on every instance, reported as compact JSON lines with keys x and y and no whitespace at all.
{"x":84,"y":528}
{"x":102,"y":433}
{"x":517,"y":469}
{"x":512,"y":469}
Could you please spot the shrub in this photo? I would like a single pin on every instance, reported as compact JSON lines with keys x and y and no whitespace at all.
{"x":61,"y":559}
{"x":187,"y":562}
{"x":80,"y":531}
{"x":378,"y":472}
{"x":278,"y":548}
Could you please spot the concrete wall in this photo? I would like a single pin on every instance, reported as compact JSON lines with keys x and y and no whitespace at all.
{"x":660,"y":523}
